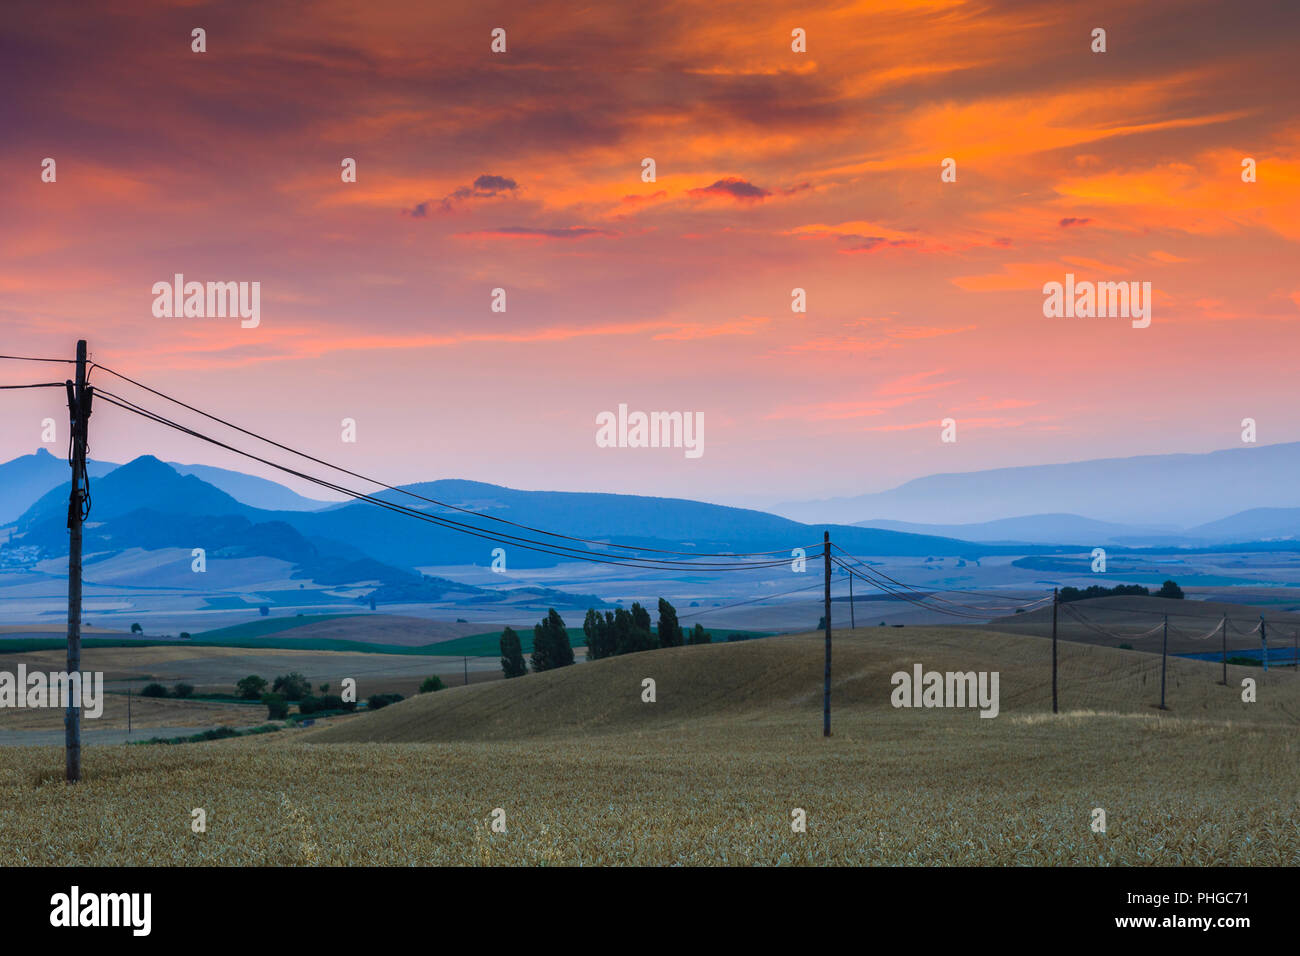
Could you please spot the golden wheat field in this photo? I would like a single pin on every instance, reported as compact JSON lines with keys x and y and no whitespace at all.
{"x":587,"y":773}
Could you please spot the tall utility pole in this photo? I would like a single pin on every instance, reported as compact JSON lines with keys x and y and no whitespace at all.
{"x":1056,"y":599}
{"x":79,"y":397}
{"x":1164,"y":657}
{"x":1224,"y":627}
{"x":826,"y":689}
{"x":1263,"y":641}
{"x":853,"y":617}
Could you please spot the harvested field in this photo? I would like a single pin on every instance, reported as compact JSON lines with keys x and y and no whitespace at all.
{"x":587,"y":773}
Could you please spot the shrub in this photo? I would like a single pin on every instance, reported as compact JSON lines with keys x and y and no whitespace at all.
{"x":431,"y":684}
{"x":153,"y":690}
{"x":251,"y":687}
{"x":277,"y":708}
{"x":376,"y":701}
{"x":183,"y":690}
{"x":216,"y":733}
{"x":327,"y":702}
{"x":137,"y":629}
{"x":292,"y":685}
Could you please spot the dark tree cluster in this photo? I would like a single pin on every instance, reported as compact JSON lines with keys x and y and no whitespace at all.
{"x":608,"y":634}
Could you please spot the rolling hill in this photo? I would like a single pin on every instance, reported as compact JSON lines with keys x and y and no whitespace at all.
{"x":1255,"y":524}
{"x":748,"y":686}
{"x":715,"y":770}
{"x":1137,"y":621}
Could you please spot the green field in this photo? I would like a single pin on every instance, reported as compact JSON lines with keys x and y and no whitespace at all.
{"x":267,"y":634}
{"x":260,"y":628}
{"x":489,"y":644}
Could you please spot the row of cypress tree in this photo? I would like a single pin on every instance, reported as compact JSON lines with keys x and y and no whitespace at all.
{"x":608,"y":634}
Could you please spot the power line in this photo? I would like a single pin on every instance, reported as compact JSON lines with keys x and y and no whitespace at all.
{"x":710,"y":610}
{"x":556,"y":550}
{"x":435,"y":501}
{"x":37,"y":385}
{"x":1078,"y":616}
{"x":28,"y":358}
{"x":869,"y":574}
{"x":934,"y":593}
{"x":908,"y":597}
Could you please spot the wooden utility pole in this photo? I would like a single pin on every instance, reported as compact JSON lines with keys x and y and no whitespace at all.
{"x":826,"y":689}
{"x":1224,"y":627}
{"x":853,"y":617}
{"x":1056,"y":599}
{"x":79,"y":397}
{"x":1164,"y":657}
{"x":1263,"y":641}
{"x":467,"y":672}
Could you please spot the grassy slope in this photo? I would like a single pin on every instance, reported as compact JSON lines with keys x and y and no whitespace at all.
{"x":780,"y":679}
{"x":1193,"y":624}
{"x":587,"y":773}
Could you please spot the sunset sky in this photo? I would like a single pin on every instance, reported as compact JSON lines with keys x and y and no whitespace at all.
{"x":775,"y":170}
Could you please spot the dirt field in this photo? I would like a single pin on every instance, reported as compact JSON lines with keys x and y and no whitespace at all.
{"x":146,"y":712}
{"x":587,"y":773}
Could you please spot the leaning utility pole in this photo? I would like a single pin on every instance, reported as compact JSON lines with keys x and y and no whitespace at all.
{"x":1164,"y":657}
{"x":1224,"y":627}
{"x":1263,"y":641}
{"x":826,"y":690}
{"x":1056,"y":599}
{"x":853,"y":617}
{"x":79,"y":398}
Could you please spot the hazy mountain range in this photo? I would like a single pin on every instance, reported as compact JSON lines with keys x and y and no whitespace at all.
{"x":1183,"y":492}
{"x":147,"y":503}
{"x":150,"y":504}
